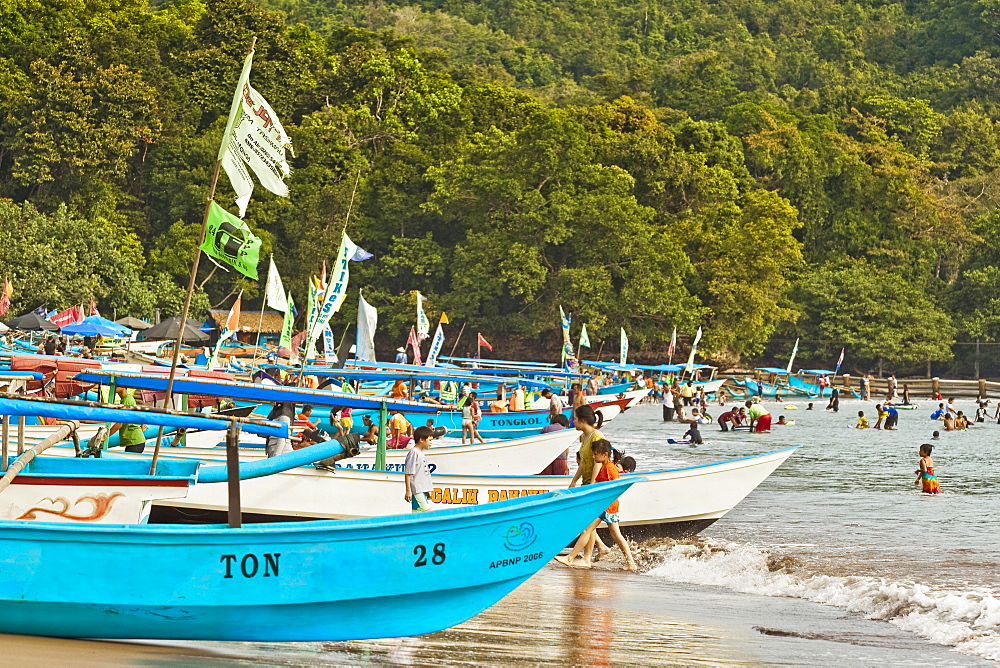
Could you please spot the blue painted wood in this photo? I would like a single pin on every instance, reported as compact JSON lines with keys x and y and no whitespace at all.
{"x":248,"y":391}
{"x":263,"y":467}
{"x":616,"y":389}
{"x":308,"y":581}
{"x":70,"y":411}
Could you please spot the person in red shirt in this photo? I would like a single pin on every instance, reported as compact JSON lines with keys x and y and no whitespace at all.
{"x":606,"y":470}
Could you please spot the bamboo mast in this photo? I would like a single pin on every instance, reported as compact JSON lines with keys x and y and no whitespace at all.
{"x":192,"y":279}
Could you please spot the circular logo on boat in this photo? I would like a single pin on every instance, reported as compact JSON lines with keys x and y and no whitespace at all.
{"x":520,"y":537}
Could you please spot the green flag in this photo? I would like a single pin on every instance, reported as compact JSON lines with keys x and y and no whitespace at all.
{"x":584,"y":338}
{"x":231,"y":242}
{"x":286,"y":326}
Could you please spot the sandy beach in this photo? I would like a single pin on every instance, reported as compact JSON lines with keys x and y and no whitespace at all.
{"x":566,"y":617}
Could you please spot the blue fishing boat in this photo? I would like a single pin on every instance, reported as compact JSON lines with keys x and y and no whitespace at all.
{"x":298,"y":581}
{"x":618,"y":388}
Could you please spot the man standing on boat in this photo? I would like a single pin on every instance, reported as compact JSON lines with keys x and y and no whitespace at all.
{"x":555,"y":402}
{"x":401,"y":357}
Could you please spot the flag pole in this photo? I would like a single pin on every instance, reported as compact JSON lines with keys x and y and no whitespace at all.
{"x":192,"y":279}
{"x":260,"y":320}
{"x":457,"y":339}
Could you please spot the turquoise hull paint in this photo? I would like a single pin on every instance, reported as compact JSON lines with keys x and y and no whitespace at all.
{"x":615,"y":389}
{"x":310,"y":581}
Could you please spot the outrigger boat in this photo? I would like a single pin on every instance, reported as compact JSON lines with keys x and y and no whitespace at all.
{"x":522,"y":456}
{"x":278,"y":582}
{"x":670,"y":503}
{"x":515,"y":424}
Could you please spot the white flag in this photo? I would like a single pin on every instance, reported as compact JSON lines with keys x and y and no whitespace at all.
{"x":694,"y":349}
{"x":275,"y":291}
{"x":436,"y":346}
{"x":367,"y":321}
{"x":336,"y":291}
{"x":423,"y":324}
{"x":623,"y":351}
{"x":254,"y":141}
{"x":329,"y":345}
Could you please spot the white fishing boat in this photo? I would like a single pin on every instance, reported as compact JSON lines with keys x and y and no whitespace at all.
{"x":673,"y":503}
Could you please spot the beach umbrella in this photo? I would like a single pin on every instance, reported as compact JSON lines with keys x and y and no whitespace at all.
{"x":168,"y":329}
{"x":32,"y":322}
{"x":133,"y":323}
{"x":118,"y":329}
{"x":89,"y":329}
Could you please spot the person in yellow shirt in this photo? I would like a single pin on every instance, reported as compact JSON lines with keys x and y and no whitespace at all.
{"x":862,"y":421}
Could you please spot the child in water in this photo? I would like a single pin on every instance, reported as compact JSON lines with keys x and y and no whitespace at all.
{"x":925,"y":472}
{"x":862,"y":421}
{"x":693,"y":435}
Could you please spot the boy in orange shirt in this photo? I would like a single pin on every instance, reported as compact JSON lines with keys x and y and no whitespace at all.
{"x":606,"y":470}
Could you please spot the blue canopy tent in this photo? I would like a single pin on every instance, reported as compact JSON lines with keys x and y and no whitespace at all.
{"x":121,"y":329}
{"x":89,"y":329}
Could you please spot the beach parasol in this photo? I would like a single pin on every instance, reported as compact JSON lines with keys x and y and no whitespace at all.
{"x":89,"y":329}
{"x":31,"y":322}
{"x":133,"y":323}
{"x":118,"y":329}
{"x":168,"y":329}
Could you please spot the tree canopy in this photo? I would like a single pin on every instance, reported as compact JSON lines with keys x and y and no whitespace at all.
{"x":767,"y":170}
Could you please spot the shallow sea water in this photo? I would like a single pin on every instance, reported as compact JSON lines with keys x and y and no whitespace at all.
{"x":841,"y":522}
{"x":835,"y":558}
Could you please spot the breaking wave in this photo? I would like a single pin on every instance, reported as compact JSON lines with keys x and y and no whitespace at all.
{"x":968,"y":621}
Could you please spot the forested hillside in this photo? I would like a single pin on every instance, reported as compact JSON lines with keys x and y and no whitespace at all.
{"x":768,"y":170}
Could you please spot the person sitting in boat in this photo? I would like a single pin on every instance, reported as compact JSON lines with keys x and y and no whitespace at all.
{"x":309,"y":429}
{"x":400,"y":431}
{"x":399,"y":390}
{"x":283,"y":411}
{"x":370,"y":434}
{"x":498,"y":406}
{"x":131,"y":436}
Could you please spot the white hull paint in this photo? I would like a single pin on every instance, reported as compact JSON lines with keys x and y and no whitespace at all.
{"x":690,"y":497}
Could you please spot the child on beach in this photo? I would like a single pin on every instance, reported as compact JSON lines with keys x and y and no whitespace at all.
{"x":604,"y":470}
{"x":862,"y":421}
{"x":417,"y":473}
{"x":925,"y":472}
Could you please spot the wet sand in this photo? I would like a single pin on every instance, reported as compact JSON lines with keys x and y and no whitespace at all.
{"x":567,"y":617}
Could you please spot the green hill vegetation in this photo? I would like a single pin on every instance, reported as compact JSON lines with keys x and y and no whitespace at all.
{"x":769,"y":170}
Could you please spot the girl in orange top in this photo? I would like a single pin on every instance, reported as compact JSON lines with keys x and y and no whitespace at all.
{"x":604,"y":470}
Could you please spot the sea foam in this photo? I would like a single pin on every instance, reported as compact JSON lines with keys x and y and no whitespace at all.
{"x":966,"y":620}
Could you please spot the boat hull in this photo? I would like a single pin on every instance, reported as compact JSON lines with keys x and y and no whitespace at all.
{"x":317,"y":581}
{"x":672,"y":503}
